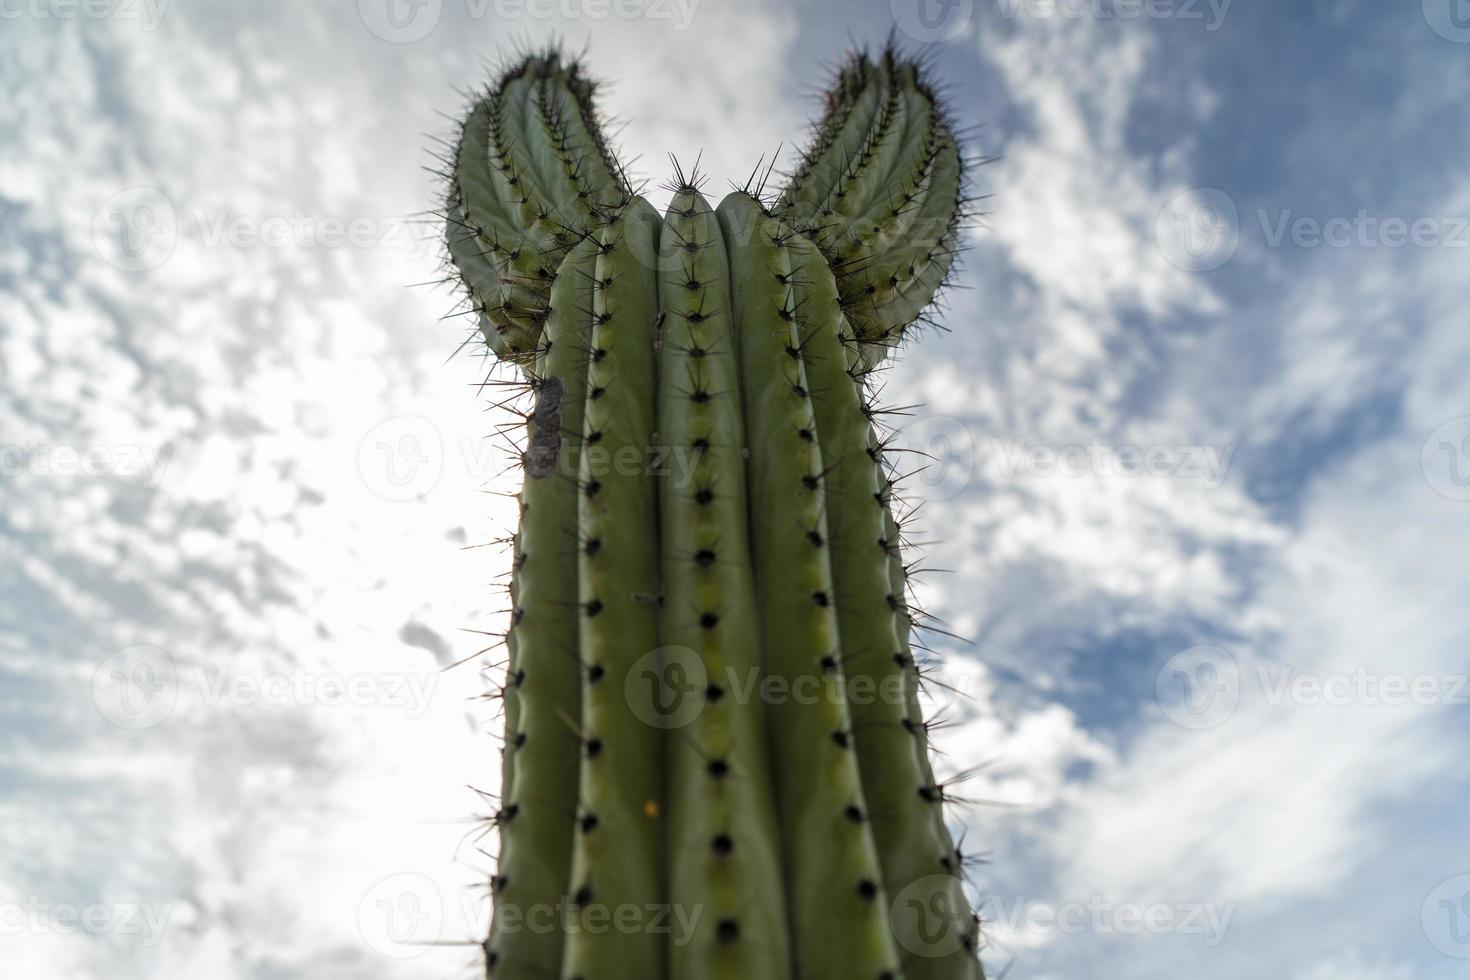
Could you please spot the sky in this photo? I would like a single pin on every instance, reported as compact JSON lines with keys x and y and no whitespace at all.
{"x":1196,"y":521}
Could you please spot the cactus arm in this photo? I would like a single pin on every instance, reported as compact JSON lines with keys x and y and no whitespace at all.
{"x":723,"y":844}
{"x":597,"y":178}
{"x":617,"y":853}
{"x":896,"y":161}
{"x":884,"y":291}
{"x":892,"y":746}
{"x":856,"y":102}
{"x":521,"y":141}
{"x":543,"y":688}
{"x":837,"y":902}
{"x":483,"y":235}
{"x":530,"y":175}
{"x":882,"y":195}
{"x":876,"y":153}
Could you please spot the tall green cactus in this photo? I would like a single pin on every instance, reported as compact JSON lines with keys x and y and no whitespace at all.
{"x":715,"y":763}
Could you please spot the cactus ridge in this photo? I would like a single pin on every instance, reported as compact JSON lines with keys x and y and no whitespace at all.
{"x":712,"y":698}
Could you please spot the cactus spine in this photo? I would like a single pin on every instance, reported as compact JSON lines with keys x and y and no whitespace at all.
{"x":715,"y":763}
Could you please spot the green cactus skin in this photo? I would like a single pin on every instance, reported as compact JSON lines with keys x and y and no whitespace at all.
{"x":706,"y":516}
{"x":543,"y":688}
{"x":723,"y":841}
{"x":618,"y":853}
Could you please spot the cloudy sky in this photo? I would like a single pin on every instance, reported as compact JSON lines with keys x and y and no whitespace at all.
{"x":1204,"y":493}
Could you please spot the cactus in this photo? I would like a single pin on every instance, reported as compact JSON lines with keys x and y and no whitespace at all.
{"x":715,"y":765}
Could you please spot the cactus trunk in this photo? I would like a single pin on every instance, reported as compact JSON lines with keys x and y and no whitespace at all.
{"x":715,"y":763}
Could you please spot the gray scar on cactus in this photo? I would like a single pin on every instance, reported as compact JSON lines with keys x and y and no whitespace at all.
{"x":706,"y":497}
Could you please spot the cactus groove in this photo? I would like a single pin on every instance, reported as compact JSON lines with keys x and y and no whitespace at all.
{"x":715,"y":763}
